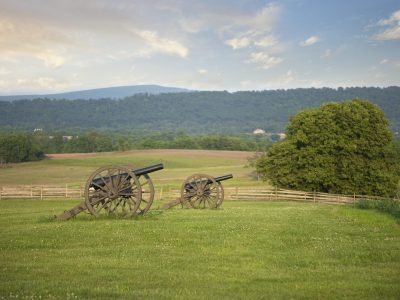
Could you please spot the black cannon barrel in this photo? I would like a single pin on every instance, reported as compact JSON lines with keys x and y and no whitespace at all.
{"x":189,"y":186}
{"x":137,"y":172}
{"x":224,"y":177}
{"x":147,"y":170}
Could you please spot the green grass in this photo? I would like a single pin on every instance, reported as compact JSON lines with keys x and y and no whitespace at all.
{"x":245,"y":250}
{"x":178,"y":164}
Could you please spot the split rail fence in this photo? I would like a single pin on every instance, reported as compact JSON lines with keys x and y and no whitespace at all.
{"x":231,"y":193}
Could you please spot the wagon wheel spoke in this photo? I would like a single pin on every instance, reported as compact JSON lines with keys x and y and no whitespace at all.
{"x":114,"y":184}
{"x":201,"y":191}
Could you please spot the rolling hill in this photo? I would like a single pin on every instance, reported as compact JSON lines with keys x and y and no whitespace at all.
{"x":118,"y":92}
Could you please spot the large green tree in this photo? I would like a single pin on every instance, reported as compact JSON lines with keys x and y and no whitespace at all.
{"x":340,"y":147}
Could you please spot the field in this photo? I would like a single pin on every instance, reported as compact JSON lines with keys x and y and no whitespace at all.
{"x":244,"y":250}
{"x":74,"y":169}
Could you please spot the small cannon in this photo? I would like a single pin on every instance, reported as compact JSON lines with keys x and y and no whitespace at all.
{"x":201,"y":191}
{"x":118,"y":190}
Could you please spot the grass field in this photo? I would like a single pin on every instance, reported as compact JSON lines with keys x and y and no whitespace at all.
{"x":74,"y":169}
{"x":245,"y":250}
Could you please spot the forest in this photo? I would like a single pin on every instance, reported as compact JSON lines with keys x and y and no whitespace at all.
{"x":194,"y":112}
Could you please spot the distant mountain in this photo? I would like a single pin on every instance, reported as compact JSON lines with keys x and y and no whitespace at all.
{"x":118,"y":92}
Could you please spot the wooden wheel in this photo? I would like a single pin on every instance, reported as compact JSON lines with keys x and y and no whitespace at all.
{"x":201,"y":191}
{"x":221,"y":196}
{"x":147,"y":188}
{"x":113,"y":190}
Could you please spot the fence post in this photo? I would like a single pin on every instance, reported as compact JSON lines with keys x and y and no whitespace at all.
{"x":276,"y":193}
{"x":41,"y":192}
{"x":1,"y":190}
{"x":66,"y":190}
{"x":237,"y":192}
{"x":314,"y":196}
{"x":354,"y":199}
{"x":161,"y":193}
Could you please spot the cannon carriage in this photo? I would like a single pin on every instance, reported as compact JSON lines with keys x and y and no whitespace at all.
{"x":118,"y":190}
{"x":126,"y":191}
{"x":201,"y":191}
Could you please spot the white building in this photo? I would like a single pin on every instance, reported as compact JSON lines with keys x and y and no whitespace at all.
{"x":259,"y":131}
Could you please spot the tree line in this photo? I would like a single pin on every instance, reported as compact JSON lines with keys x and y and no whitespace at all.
{"x":21,"y":147}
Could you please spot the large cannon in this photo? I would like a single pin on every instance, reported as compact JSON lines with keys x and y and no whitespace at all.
{"x":118,"y":190}
{"x":201,"y":191}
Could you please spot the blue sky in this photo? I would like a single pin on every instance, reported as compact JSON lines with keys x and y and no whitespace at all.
{"x":59,"y":45}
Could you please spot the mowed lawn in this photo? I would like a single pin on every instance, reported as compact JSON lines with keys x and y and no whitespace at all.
{"x":245,"y":250}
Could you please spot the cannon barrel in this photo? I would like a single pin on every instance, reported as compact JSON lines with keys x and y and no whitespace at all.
{"x":146,"y":170}
{"x":137,"y":172}
{"x":217,"y":179}
{"x":224,"y":177}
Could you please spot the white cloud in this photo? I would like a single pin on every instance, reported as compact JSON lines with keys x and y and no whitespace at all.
{"x":4,"y":71}
{"x":40,"y":84}
{"x":310,"y":41}
{"x":264,"y":60}
{"x":266,"y":41}
{"x":202,"y":71}
{"x":254,"y":30}
{"x":238,"y":43}
{"x":51,"y":60}
{"x":392,"y":25}
{"x":384,"y":61}
{"x":158,"y":44}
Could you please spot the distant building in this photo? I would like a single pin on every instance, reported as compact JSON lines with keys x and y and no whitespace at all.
{"x":282,"y":136}
{"x":259,"y":131}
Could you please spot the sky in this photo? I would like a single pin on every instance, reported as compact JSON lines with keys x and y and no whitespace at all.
{"x":59,"y":45}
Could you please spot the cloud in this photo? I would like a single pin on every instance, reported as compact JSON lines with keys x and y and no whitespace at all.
{"x":202,"y":71}
{"x":40,"y":83}
{"x":254,"y":29}
{"x":392,"y":25}
{"x":238,"y":43}
{"x":162,"y":45}
{"x":384,"y":61}
{"x":51,"y":60}
{"x":264,"y":60}
{"x":266,"y":41}
{"x":310,"y":41}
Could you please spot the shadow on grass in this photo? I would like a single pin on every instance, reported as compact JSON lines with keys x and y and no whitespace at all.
{"x":87,"y":217}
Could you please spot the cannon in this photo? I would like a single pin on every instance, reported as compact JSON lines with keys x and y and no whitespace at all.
{"x":118,"y":190}
{"x":201,"y":191}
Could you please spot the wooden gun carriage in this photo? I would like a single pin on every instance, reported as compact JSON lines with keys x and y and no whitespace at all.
{"x":126,"y":191}
{"x":118,"y":190}
{"x":201,"y":191}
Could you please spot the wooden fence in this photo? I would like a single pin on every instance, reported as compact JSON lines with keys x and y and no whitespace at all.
{"x":274,"y":194}
{"x":40,"y":192}
{"x":231,"y":193}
